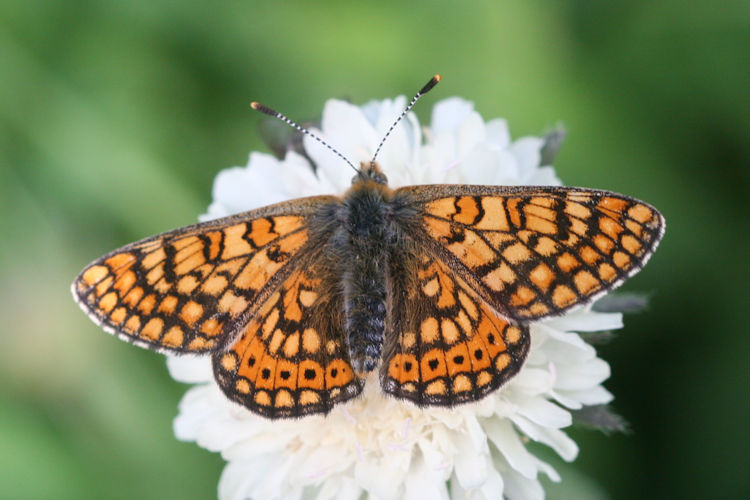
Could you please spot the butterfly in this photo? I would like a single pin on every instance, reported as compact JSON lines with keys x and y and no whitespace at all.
{"x":431,"y":286}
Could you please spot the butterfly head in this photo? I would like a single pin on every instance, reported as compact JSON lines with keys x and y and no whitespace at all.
{"x":370,"y":172}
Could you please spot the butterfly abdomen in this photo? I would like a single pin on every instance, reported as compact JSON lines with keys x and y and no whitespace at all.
{"x":365,"y":235}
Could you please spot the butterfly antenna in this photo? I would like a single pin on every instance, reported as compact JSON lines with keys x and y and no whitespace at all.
{"x":272,"y":112}
{"x":433,"y":81}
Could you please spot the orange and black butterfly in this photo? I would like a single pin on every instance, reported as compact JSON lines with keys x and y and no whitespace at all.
{"x":433,"y":286}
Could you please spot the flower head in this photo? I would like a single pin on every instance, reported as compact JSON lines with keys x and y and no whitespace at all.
{"x":374,"y":444}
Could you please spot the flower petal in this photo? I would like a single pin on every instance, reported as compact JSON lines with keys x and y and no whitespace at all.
{"x":498,"y":133}
{"x":528,"y":152}
{"x":506,"y":440}
{"x":583,"y":320}
{"x":554,"y":438}
{"x":543,"y":412}
{"x":471,"y":465}
{"x":422,"y":482}
{"x":518,"y":487}
{"x":594,"y":372}
{"x":190,"y":369}
{"x":449,"y":114}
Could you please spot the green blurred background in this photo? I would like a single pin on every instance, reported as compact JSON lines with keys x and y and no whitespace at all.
{"x":116,"y":116}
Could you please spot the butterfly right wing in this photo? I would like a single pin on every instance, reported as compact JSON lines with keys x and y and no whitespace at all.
{"x":534,"y":251}
{"x":292,"y":359}
{"x":191,"y":289}
{"x":444,"y":344}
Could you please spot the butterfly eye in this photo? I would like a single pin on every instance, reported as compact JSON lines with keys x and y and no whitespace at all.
{"x":379,"y":176}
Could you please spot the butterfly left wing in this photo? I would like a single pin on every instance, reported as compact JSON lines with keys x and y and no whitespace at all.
{"x":444,"y":345}
{"x":530,"y":251}
{"x":191,"y":289}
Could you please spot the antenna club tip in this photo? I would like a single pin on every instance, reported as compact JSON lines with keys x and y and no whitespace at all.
{"x":263,"y":109}
{"x":433,"y":81}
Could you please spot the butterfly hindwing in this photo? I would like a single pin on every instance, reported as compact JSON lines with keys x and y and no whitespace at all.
{"x":531,"y":251}
{"x":444,"y":345}
{"x":190,"y":290}
{"x":291,"y":359}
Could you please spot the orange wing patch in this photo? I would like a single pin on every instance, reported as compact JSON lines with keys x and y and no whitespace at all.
{"x":533,"y":252}
{"x":186,"y":291}
{"x":291,"y":359}
{"x":446,"y":345}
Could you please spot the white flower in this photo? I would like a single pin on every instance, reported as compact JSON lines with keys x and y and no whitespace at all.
{"x":376,"y":445}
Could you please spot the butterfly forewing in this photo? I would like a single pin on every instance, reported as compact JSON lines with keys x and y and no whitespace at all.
{"x":291,"y":359}
{"x":531,"y":251}
{"x":190,"y":290}
{"x":444,"y":345}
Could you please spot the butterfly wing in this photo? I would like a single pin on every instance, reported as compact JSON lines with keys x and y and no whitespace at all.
{"x":444,"y":345}
{"x":291,"y":359}
{"x":192,"y":289}
{"x":531,"y":251}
